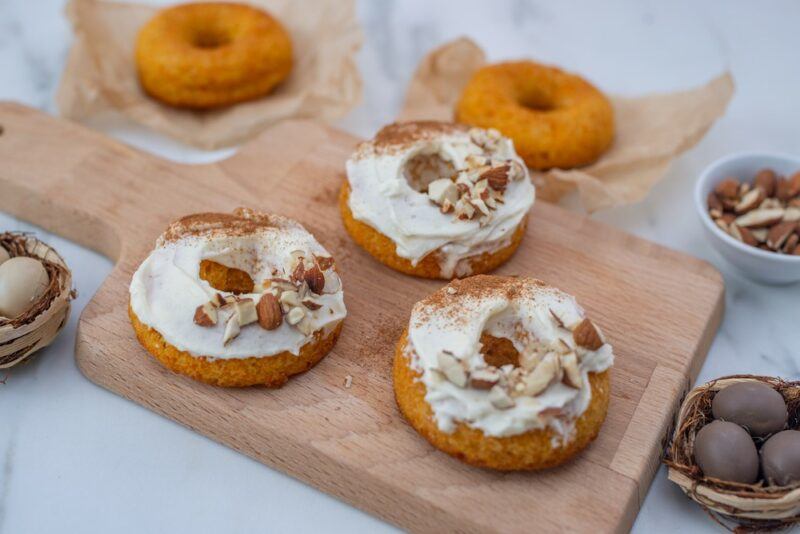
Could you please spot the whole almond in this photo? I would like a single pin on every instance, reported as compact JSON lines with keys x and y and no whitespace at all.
{"x":766,"y":180}
{"x":586,"y":335}
{"x":727,"y":188}
{"x":315,"y":280}
{"x":269,"y":313}
{"x":779,"y":233}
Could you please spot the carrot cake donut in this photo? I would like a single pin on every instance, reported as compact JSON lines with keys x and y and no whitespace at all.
{"x":237,"y":299}
{"x":205,"y":55}
{"x":437,"y":199}
{"x":503,"y":372}
{"x":555,"y":118}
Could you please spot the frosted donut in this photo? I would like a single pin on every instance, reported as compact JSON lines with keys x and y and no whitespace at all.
{"x":237,"y":299}
{"x":205,"y":55}
{"x":436,"y":199}
{"x":505,"y":373}
{"x":556,"y":119}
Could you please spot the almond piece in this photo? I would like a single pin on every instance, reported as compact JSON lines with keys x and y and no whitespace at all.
{"x":791,"y":214}
{"x":791,"y":244}
{"x":484,"y":378}
{"x":231,"y":329}
{"x":497,"y":177}
{"x":311,"y":305}
{"x":464,"y":210}
{"x":298,"y":272}
{"x":542,"y":376}
{"x":749,"y":201}
{"x":779,"y":233}
{"x":452,"y":369}
{"x":500,"y":398}
{"x":572,"y":374}
{"x":205,"y":315}
{"x":324,"y":263}
{"x":727,"y":188}
{"x":760,"y":218}
{"x":587,"y":335}
{"x":441,"y":190}
{"x":332,"y":282}
{"x":766,"y":180}
{"x":295,"y":315}
{"x":315,"y":280}
{"x":760,"y":234}
{"x":269,"y":312}
{"x":747,"y":236}
{"x":245,"y":310}
{"x":796,"y":251}
{"x":289,"y":299}
{"x":713,"y":202}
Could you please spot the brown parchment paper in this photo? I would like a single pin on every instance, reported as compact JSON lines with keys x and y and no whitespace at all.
{"x":650,"y":130}
{"x":100,"y":75}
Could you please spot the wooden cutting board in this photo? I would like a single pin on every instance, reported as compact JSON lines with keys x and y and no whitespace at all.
{"x":659,"y":309}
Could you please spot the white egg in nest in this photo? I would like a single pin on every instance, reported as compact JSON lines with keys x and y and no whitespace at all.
{"x":23,"y":280}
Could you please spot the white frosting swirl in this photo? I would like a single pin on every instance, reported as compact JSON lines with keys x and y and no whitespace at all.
{"x":166,"y":288}
{"x":521,"y":310}
{"x":382,"y":197}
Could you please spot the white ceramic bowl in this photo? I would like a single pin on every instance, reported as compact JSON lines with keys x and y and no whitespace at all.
{"x":757,"y":264}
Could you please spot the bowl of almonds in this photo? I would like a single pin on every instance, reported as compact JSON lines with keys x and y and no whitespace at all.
{"x":749,"y":204}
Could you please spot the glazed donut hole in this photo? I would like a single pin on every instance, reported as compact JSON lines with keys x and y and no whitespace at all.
{"x":498,"y":351}
{"x":425,"y":167}
{"x":226,"y":279}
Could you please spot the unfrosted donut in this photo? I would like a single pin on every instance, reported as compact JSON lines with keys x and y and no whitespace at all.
{"x":206,"y":55}
{"x":555,"y":119}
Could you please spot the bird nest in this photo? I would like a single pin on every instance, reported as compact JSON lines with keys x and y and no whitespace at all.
{"x":752,"y":506}
{"x":36,"y":328}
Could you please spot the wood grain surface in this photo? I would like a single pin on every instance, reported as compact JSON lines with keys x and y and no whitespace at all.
{"x":659,"y":309}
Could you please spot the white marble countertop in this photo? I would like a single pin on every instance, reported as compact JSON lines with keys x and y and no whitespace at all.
{"x":76,"y":458}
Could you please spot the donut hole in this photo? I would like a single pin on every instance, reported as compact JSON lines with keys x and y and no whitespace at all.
{"x":498,"y":351}
{"x":424,"y":168}
{"x":224,"y":278}
{"x":210,"y":36}
{"x":537,"y":101}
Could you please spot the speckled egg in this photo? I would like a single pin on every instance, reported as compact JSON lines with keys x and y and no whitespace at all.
{"x":22,"y":281}
{"x":726,"y":451}
{"x":780,"y":458}
{"x":4,"y":255}
{"x":753,"y":405}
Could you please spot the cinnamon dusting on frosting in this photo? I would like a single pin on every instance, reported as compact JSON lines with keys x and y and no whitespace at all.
{"x":243,"y":221}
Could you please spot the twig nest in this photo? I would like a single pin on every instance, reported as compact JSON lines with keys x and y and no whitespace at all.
{"x":737,"y":454}
{"x":35,"y":294}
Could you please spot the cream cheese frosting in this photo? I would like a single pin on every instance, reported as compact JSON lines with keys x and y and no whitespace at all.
{"x":548,"y":387}
{"x":166,"y":289}
{"x":382,"y":197}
